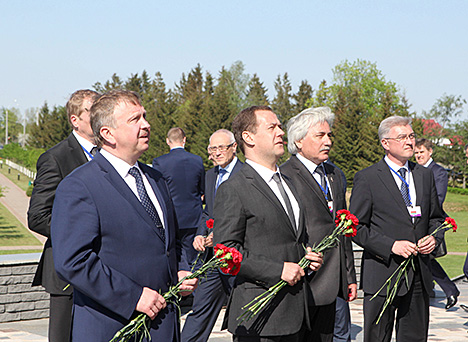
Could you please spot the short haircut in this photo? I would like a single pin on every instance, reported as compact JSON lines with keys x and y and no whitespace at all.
{"x":387,"y":124}
{"x":103,"y":109}
{"x":299,"y":125}
{"x":246,"y":120}
{"x":176,"y":135}
{"x":227,"y":132}
{"x":75,"y":103}
{"x":424,"y":142}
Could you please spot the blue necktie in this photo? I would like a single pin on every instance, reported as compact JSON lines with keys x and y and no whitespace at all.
{"x":146,"y":201}
{"x":404,"y":187}
{"x":320,"y":170}
{"x":222,"y":172}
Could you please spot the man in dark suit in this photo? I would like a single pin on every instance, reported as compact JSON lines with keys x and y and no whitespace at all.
{"x":185,"y":176}
{"x":397,"y":207}
{"x":214,"y":289}
{"x":319,"y":184}
{"x":258,"y":211}
{"x":423,"y":155}
{"x":52,"y":167}
{"x":114,"y":230}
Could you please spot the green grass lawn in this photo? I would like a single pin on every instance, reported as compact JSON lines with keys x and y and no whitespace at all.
{"x":12,"y":232}
{"x":23,"y":183}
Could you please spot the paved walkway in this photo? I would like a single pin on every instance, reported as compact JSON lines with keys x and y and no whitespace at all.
{"x":16,"y":201}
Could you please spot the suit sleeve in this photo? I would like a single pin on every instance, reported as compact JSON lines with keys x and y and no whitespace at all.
{"x":76,"y":236}
{"x":361,"y":205}
{"x":436,"y":214}
{"x":42,"y":199}
{"x":230,"y":219}
{"x":441,"y":183}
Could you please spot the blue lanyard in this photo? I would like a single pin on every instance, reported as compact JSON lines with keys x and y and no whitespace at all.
{"x":325,"y":191}
{"x":404,"y":181}
{"x":87,"y":152}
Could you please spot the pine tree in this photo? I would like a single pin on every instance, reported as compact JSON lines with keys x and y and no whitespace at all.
{"x":256,"y":93}
{"x":282,"y":102}
{"x":301,"y":98}
{"x":52,"y":127}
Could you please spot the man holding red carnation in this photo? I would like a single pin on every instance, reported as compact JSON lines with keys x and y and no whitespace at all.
{"x":397,"y":206}
{"x":257,"y":210}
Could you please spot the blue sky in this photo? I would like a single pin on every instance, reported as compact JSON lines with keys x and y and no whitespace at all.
{"x":52,"y":48}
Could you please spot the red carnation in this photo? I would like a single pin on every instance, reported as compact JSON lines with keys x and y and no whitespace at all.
{"x":210,"y":223}
{"x":451,"y":223}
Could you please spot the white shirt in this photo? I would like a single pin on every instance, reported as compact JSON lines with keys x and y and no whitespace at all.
{"x":267,"y":176}
{"x":311,"y":166}
{"x":428,"y":162}
{"x":122,"y":168}
{"x":228,"y":169}
{"x":409,"y":178}
{"x":86,"y":144}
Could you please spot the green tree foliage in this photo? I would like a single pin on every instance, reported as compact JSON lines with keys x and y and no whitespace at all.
{"x":51,"y":128}
{"x":24,"y":156}
{"x":281,"y":104}
{"x":256,"y":93}
{"x":445,"y":109}
{"x":15,"y":125}
{"x":303,"y":95}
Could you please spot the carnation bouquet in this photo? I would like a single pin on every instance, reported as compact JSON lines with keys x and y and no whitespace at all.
{"x":209,"y":225}
{"x":345,"y":225}
{"x":227,"y":259}
{"x":401,"y":271}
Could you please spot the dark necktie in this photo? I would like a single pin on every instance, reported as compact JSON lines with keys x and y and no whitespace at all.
{"x":94,"y":151}
{"x":146,"y":201}
{"x":289,"y":209}
{"x":404,"y":187}
{"x":221,"y":178}
{"x":323,"y":180}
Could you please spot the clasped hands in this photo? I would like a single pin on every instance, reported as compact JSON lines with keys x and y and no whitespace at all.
{"x":292,"y":272}
{"x":152,"y":302}
{"x":405,"y":248}
{"x":200,"y":242}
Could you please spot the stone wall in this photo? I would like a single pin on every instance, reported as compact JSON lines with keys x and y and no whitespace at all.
{"x":18,"y":299}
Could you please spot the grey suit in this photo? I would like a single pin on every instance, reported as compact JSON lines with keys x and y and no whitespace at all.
{"x":249,"y":216}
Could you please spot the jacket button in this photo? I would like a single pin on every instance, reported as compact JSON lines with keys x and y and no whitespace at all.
{"x":167,"y":253}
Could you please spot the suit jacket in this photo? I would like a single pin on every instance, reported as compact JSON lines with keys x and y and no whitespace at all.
{"x":248,"y":215}
{"x":185,"y":176}
{"x":210,"y":183}
{"x":383,"y":218}
{"x":338,"y":263}
{"x":108,"y":248}
{"x":441,"y":181}
{"x":52,"y":166}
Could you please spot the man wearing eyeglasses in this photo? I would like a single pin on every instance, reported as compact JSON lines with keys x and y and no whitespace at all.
{"x":397,"y":206}
{"x":213,"y":291}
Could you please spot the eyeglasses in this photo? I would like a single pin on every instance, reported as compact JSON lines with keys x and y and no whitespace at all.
{"x":220,"y":148}
{"x":403,"y":137}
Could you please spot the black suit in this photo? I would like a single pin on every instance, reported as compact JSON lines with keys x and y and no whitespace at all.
{"x":338,"y":263}
{"x":52,"y":167}
{"x":383,"y":219}
{"x":213,"y":290}
{"x":438,"y":273}
{"x":249,"y":216}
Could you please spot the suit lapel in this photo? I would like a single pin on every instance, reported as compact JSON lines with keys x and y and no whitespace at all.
{"x":418,"y":184}
{"x":76,"y":151}
{"x":388,"y":181}
{"x":258,"y":183}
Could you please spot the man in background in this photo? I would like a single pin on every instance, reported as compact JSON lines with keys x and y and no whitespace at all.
{"x":320,"y":185}
{"x":213,"y":290}
{"x":423,"y":155}
{"x":52,"y":167}
{"x":185,"y":177}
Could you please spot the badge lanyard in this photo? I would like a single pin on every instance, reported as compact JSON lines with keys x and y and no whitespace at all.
{"x":87,"y":152}
{"x":325,"y":191}
{"x":404,"y":181}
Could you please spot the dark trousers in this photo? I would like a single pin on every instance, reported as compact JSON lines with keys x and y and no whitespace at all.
{"x":441,"y":278}
{"x":465,"y":266}
{"x":297,"y":337}
{"x":342,"y":330}
{"x":60,"y":317}
{"x":322,"y":322}
{"x":208,"y":299}
{"x":412,"y":316}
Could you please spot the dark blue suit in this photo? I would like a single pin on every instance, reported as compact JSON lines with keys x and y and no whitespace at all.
{"x":438,"y":273}
{"x":185,"y":177}
{"x":213,"y":290}
{"x":108,"y":248}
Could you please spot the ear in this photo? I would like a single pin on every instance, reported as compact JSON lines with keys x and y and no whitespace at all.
{"x":74,"y":119}
{"x":299,"y":144}
{"x":248,"y":138}
{"x":384,"y":143}
{"x":167,"y":141}
{"x":107,"y":135}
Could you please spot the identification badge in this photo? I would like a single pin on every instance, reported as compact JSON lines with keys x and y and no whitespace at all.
{"x":415,"y":211}
{"x":330,"y":206}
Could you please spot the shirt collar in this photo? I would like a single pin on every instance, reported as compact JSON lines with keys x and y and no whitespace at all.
{"x":263,"y":171}
{"x":83,"y":142}
{"x":121,"y":166}
{"x":174,"y":148}
{"x":310,"y":165}
{"x":395,"y":166}
{"x":230,"y":166}
{"x":428,"y":162}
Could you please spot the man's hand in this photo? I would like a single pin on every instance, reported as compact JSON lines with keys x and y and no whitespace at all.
{"x":150,"y":303}
{"x":199,"y":243}
{"x":426,"y":245}
{"x":188,"y":285}
{"x":292,"y":273}
{"x":209,"y":240}
{"x":404,"y":248}
{"x":316,"y":258}
{"x":352,"y":292}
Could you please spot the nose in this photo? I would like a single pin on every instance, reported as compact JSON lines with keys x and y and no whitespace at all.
{"x":145,"y":124}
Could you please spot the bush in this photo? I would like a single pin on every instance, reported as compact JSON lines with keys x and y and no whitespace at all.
{"x":29,"y":190}
{"x":23,"y":156}
{"x":457,"y":190}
